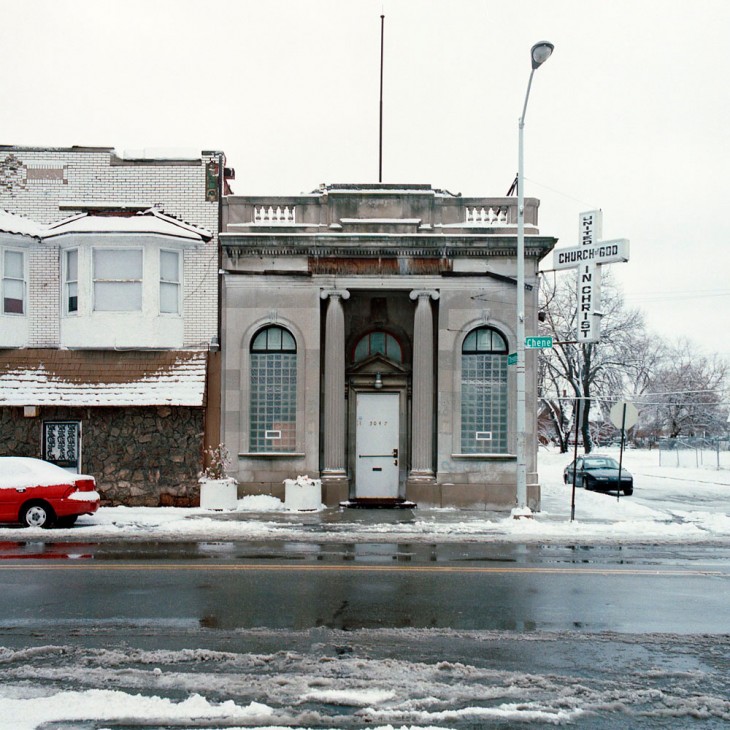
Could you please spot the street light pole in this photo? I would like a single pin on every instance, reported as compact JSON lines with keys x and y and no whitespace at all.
{"x":540,"y":53}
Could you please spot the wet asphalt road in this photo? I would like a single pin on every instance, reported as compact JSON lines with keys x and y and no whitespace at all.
{"x":458,"y":636}
{"x":231,"y":585}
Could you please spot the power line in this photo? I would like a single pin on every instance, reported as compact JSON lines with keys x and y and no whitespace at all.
{"x":665,"y":296}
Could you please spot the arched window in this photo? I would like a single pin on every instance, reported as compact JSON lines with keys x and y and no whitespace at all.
{"x":273,"y":393}
{"x":484,"y":392}
{"x":378,"y":342}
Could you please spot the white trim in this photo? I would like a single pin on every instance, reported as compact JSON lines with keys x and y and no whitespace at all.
{"x":24,"y":281}
{"x":95,"y":279}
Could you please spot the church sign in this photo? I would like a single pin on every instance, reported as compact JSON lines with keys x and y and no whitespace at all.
{"x":588,"y":259}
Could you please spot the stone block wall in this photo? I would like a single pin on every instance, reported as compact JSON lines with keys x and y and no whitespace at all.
{"x":144,"y":456}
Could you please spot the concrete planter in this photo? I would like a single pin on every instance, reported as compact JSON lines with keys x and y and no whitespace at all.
{"x":302,"y":494}
{"x":218,"y":494}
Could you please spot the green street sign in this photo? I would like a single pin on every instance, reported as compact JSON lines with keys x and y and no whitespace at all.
{"x":512,"y":358}
{"x":538,"y":343}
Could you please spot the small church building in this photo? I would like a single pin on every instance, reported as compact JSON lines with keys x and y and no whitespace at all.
{"x":366,"y":335}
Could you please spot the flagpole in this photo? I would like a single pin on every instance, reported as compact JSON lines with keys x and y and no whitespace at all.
{"x":380,"y":150}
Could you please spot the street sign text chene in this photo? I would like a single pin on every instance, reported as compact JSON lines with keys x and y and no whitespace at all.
{"x":538,"y":343}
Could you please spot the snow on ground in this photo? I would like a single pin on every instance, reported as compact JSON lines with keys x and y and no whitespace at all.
{"x":670,"y":504}
{"x":409,"y":679}
{"x":299,"y":688}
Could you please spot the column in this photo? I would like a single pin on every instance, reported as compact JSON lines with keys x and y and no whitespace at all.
{"x":423,"y":382}
{"x":335,"y":430}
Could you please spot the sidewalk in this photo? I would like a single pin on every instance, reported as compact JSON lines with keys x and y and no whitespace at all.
{"x":669,"y":506}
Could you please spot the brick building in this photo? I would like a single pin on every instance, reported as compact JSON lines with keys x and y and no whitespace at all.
{"x":109,"y":324}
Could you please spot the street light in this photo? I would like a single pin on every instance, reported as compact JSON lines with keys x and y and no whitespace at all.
{"x":539,"y":53}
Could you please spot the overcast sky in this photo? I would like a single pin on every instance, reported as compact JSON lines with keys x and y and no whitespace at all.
{"x":630,"y":115}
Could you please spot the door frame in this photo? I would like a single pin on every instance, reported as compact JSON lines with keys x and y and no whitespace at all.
{"x":393,"y":381}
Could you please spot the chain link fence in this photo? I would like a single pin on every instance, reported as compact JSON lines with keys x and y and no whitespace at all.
{"x":694,"y":452}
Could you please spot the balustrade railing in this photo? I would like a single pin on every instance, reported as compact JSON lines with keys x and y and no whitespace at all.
{"x":486,"y":216}
{"x":271,"y":216}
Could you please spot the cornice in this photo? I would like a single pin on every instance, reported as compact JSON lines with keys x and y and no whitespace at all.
{"x":373,"y":245}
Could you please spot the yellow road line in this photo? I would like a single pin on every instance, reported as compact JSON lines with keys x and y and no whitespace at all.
{"x":316,"y":568}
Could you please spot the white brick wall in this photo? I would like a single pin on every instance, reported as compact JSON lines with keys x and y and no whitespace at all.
{"x":43,"y":297}
{"x":49,"y":178}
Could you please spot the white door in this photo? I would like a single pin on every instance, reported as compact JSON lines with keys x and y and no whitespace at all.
{"x":376,"y":470}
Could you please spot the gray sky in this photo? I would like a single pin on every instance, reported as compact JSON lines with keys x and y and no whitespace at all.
{"x":631,"y":114}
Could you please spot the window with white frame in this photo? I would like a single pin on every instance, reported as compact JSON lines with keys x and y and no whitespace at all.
{"x":484,"y":392}
{"x":273,"y":394}
{"x":71,"y":281}
{"x":170,"y":282}
{"x":13,"y":282}
{"x":117,"y":280}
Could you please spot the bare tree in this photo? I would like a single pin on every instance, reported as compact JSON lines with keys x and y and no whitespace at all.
{"x":686,"y":394}
{"x":594,"y":373}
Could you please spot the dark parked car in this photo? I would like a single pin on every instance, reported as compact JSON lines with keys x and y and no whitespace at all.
{"x":599,"y":473}
{"x":38,"y":494}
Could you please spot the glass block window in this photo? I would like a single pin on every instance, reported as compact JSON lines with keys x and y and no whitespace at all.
{"x":484,"y":392}
{"x":13,"y":283}
{"x":273,"y":404}
{"x":170,"y":282}
{"x":378,"y":342}
{"x":117,"y":280}
{"x":71,"y":281}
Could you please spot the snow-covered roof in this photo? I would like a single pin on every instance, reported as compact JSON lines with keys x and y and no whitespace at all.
{"x":159,"y":153}
{"x":150,"y":221}
{"x":101,"y":378}
{"x":12,"y":223}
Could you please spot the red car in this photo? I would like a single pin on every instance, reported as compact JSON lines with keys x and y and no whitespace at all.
{"x":38,"y":494}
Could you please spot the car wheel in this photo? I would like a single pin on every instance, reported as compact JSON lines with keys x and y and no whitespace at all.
{"x":68,"y":521}
{"x":37,"y":514}
{"x":589,"y":484}
{"x":628,"y":491}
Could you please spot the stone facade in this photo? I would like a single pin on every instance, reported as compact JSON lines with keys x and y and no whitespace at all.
{"x":351,"y":267}
{"x":139,"y":456}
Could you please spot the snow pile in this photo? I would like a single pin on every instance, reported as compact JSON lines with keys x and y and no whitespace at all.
{"x":113,"y":705}
{"x":669,"y":505}
{"x":260,"y":503}
{"x":382,"y":678}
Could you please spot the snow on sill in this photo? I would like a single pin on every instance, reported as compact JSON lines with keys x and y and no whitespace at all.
{"x":492,"y":224}
{"x":394,"y":221}
{"x":159,"y":153}
{"x":274,"y":224}
{"x":337,"y":234}
{"x":104,"y":205}
{"x":486,"y":457}
{"x":271,"y":455}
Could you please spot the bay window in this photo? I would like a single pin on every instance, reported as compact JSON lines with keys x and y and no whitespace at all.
{"x":117,"y":280}
{"x":13,"y":283}
{"x":170,"y":282}
{"x":71,"y":281}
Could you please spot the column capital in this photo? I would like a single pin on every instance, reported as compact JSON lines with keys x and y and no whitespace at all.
{"x":417,"y":293}
{"x":341,"y":293}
